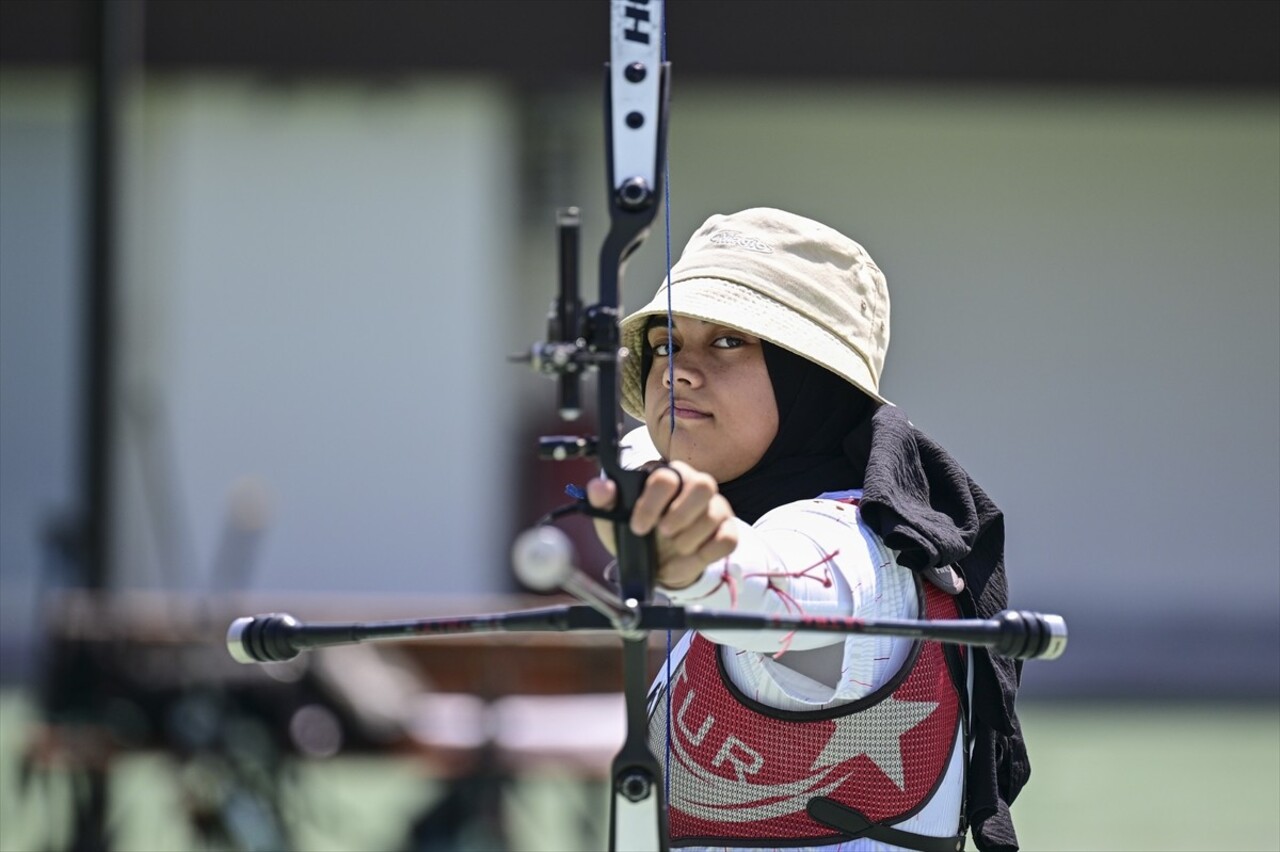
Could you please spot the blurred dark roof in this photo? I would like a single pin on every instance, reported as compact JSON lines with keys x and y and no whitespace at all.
{"x":1217,"y":43}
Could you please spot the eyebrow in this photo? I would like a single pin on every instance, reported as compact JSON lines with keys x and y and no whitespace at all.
{"x":657,"y":322}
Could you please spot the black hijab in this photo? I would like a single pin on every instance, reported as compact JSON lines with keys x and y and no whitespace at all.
{"x":818,"y":412}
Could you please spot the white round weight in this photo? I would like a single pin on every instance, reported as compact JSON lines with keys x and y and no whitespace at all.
{"x":542,"y":558}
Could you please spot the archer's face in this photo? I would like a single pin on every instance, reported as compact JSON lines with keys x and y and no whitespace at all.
{"x":725,"y":414}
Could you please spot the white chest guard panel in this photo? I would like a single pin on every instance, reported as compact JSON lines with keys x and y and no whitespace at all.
{"x":741,"y":772}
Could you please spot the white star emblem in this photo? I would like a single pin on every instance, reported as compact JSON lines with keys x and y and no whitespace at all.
{"x":888,"y":722}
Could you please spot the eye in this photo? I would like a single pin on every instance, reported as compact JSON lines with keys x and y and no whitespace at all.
{"x":729,"y":341}
{"x":660,"y":348}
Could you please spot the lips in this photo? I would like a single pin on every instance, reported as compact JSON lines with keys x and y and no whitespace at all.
{"x":683,"y":410}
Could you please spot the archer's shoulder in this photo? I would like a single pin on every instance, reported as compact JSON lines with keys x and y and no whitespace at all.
{"x":840,"y":507}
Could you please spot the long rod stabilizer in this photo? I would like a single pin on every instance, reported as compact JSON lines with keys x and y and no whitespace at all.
{"x":276,"y":637}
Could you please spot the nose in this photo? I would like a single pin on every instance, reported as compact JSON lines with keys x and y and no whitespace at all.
{"x":686,"y":369}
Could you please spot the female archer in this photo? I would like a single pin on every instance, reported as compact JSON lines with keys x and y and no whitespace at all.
{"x":783,"y":482}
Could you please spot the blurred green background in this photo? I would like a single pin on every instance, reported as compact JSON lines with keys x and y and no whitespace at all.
{"x":1117,"y":776}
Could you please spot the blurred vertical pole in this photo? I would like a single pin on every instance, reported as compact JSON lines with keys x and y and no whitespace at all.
{"x":78,"y":689}
{"x":110,"y":32}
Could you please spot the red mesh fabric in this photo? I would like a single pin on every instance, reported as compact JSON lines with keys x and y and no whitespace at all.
{"x":738,"y":773}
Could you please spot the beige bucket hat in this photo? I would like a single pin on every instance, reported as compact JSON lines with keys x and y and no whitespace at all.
{"x":780,"y":277}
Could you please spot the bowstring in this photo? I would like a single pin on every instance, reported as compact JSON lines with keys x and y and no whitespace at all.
{"x":671,"y":395}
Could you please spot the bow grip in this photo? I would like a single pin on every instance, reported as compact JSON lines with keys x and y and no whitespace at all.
{"x":637,"y":555}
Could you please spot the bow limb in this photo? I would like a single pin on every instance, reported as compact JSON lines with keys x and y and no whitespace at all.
{"x":636,"y":121}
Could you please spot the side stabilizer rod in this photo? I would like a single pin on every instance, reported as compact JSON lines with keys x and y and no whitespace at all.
{"x":276,"y":637}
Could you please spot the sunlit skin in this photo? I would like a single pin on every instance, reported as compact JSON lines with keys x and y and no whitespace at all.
{"x":725,"y":417}
{"x":725,"y":414}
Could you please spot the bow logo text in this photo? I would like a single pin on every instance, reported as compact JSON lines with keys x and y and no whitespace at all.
{"x":637,"y":24}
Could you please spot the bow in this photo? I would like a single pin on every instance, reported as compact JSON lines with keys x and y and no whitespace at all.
{"x":635,"y":124}
{"x":579,"y":340}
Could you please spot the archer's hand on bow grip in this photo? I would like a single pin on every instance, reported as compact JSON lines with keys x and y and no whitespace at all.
{"x":693,"y":521}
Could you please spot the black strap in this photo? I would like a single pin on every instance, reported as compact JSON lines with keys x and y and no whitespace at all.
{"x":831,"y":813}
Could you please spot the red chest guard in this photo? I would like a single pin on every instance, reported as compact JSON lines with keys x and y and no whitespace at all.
{"x":741,"y":771}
